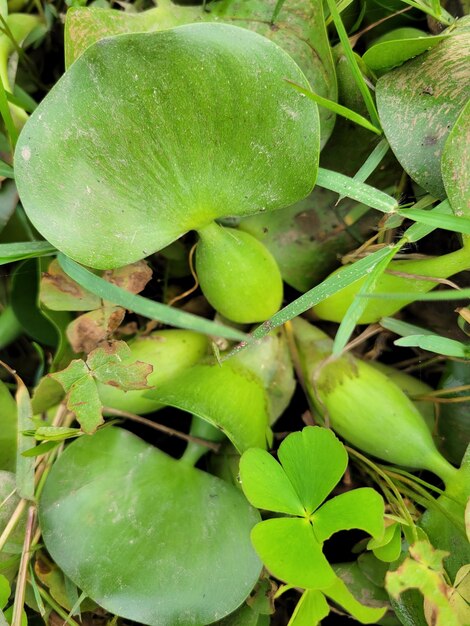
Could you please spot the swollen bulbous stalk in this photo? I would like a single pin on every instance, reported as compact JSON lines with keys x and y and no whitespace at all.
{"x":366,"y":407}
{"x":334,"y":308}
{"x":237,"y":274}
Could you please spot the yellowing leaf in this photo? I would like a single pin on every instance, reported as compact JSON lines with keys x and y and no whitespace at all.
{"x":424,"y":571}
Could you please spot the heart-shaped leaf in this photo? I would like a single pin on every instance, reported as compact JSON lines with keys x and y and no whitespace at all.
{"x":266,"y":485}
{"x":314,"y":461}
{"x":148,"y":538}
{"x":290,"y":551}
{"x":419,"y":102}
{"x":360,"y":508}
{"x":207,"y":124}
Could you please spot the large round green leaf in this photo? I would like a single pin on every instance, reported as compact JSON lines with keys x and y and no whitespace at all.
{"x":150,"y":135}
{"x":299,"y":30}
{"x":419,"y":102}
{"x":147,"y":537}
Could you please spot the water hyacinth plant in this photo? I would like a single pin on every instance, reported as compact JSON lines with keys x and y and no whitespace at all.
{"x":222,"y":399}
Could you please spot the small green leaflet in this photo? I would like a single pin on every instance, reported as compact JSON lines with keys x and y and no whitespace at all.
{"x":108,"y":365}
{"x":437,"y":344}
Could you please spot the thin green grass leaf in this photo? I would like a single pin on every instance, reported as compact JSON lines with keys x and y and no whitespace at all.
{"x":404,"y":329}
{"x":337,"y":108}
{"x":327,"y":288}
{"x":277,"y":10}
{"x":447,"y":222}
{"x":358,"y":77}
{"x":357,"y":190}
{"x":358,"y":305}
{"x":437,"y":344}
{"x":341,"y":6}
{"x":6,"y":170}
{"x":37,"y":595}
{"x":371,"y":163}
{"x":144,"y":306}
{"x":419,"y":230}
{"x":21,"y":99}
{"x":433,"y":296}
{"x":441,"y":16}
{"x":7,"y":117}
{"x":10,"y":252}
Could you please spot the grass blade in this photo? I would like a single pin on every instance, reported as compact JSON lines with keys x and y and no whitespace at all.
{"x":6,"y":170}
{"x":357,"y":190}
{"x":24,"y":466}
{"x":358,"y":305}
{"x":7,"y":117}
{"x":348,"y":52}
{"x":277,"y":10}
{"x":371,"y":163}
{"x":404,"y":329}
{"x":447,"y":222}
{"x":339,"y":109}
{"x":447,"y":294}
{"x":437,"y":344}
{"x":327,"y":288}
{"x":419,"y":230}
{"x":144,"y":306}
{"x":10,"y":252}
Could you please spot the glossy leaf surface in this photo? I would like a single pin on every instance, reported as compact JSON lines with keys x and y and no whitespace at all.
{"x":419,"y":102}
{"x":314,"y":460}
{"x":148,"y":538}
{"x":299,"y":29}
{"x":208,"y":126}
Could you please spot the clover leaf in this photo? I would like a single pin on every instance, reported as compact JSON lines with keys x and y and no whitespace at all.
{"x":312,"y":463}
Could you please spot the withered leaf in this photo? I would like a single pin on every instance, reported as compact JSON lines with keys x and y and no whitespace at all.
{"x":87,"y":331}
{"x":133,"y":277}
{"x":59,"y":292}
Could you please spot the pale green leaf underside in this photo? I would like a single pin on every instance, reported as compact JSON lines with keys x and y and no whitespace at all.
{"x":266,"y":485}
{"x":314,"y":461}
{"x":148,"y":538}
{"x":230,"y":397}
{"x":207,"y":125}
{"x":288,"y":548}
